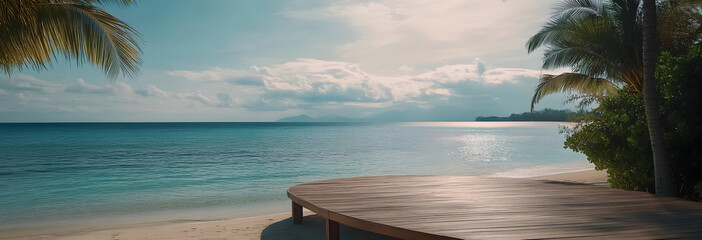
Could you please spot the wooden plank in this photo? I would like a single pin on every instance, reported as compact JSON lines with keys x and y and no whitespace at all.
{"x":461,"y":207}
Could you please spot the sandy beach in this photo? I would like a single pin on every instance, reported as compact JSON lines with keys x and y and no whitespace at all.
{"x":277,"y":226}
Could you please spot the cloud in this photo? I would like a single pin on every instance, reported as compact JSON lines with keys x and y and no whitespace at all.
{"x":222,"y":100}
{"x":80,"y":86}
{"x":26,"y":83}
{"x":214,"y":74}
{"x":225,"y":100}
{"x":311,"y":83}
{"x":510,"y":75}
{"x":121,"y":88}
{"x":390,"y":33}
{"x":303,"y":84}
{"x":26,"y":97}
{"x":247,"y":81}
{"x":151,"y":91}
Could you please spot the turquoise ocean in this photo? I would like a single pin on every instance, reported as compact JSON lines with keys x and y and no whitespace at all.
{"x":63,"y":173}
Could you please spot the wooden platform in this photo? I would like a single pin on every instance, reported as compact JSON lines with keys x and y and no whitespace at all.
{"x":463,"y":207}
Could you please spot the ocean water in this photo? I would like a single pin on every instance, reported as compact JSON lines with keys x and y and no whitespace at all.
{"x":61,"y":172}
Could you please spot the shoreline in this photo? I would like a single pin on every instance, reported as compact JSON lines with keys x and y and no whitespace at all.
{"x":234,"y":228}
{"x":590,"y":176}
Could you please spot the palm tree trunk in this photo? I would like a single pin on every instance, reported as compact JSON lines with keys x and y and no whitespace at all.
{"x":663,"y":175}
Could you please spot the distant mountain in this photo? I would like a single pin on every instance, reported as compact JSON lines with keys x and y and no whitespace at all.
{"x":298,"y":118}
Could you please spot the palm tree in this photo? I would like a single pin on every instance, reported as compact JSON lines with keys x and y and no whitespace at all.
{"x":663,"y":176}
{"x":34,"y":32}
{"x":602,"y":42}
{"x":610,"y":45}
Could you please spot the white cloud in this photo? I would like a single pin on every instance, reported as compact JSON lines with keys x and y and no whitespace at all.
{"x":199,"y":97}
{"x":80,"y":86}
{"x":390,"y":33}
{"x":26,"y":83}
{"x":214,"y":74}
{"x":151,"y":91}
{"x":223,"y":100}
{"x":121,"y":88}
{"x":309,"y":82}
{"x":452,"y":73}
{"x":334,"y":81}
{"x":438,"y":91}
{"x":300,"y":85}
{"x":510,"y":75}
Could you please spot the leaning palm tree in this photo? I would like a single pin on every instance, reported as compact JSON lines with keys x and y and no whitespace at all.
{"x":600,"y":42}
{"x":34,"y":32}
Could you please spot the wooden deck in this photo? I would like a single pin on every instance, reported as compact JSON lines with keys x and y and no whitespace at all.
{"x":464,"y":207}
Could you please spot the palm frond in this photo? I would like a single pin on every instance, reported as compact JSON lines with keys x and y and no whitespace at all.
{"x":571,"y":82}
{"x":570,"y":8}
{"x":116,"y":2}
{"x":585,"y":46}
{"x":597,"y":38}
{"x":571,"y":11}
{"x":34,"y":32}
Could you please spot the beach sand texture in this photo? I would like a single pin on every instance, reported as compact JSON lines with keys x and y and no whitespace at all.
{"x":270,"y":227}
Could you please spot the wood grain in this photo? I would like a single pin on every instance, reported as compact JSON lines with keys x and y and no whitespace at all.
{"x":466,"y":207}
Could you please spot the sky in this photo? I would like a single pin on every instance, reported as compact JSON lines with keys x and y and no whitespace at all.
{"x":223,"y":60}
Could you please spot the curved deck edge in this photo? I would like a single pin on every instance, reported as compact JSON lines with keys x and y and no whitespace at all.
{"x":365,"y":225}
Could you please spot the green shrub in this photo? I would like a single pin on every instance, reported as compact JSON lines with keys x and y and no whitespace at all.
{"x":681,"y":105}
{"x":615,"y":137}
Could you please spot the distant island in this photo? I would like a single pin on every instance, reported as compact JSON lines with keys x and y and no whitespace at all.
{"x":547,"y":114}
{"x":433,"y":115}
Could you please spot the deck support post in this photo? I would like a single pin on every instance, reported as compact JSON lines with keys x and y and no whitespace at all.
{"x":296,"y":213}
{"x":332,"y":230}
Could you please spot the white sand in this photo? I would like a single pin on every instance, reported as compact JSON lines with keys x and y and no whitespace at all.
{"x":239,"y":228}
{"x":278,"y":226}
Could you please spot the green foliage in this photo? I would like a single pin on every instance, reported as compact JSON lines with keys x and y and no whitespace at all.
{"x":679,"y":25}
{"x":602,"y":42}
{"x":34,"y":32}
{"x":615,"y":135}
{"x":566,"y":82}
{"x":681,"y":90}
